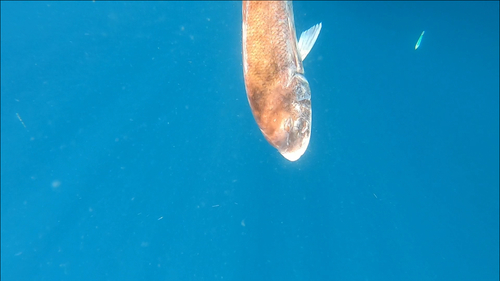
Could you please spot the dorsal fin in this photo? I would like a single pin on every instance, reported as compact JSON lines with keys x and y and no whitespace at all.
{"x":307,"y":40}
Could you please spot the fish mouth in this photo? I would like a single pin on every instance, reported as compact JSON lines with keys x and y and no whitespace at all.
{"x":292,"y":142}
{"x":297,"y":140}
{"x":296,"y":153}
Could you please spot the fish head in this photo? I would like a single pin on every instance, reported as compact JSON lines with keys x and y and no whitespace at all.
{"x":296,"y":125}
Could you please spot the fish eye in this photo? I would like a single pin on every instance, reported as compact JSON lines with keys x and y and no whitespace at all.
{"x":302,"y":126}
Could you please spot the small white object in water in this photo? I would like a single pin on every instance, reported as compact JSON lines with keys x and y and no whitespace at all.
{"x":419,"y":40}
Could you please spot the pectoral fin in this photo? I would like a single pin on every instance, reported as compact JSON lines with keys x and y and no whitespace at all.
{"x":307,"y":40}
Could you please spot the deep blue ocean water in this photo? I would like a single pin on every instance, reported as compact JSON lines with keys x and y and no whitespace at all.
{"x":138,"y":157}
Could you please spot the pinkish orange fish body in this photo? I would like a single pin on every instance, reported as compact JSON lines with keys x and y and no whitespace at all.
{"x":278,"y":93}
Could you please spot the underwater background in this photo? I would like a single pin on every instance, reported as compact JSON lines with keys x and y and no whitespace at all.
{"x":129,"y":151}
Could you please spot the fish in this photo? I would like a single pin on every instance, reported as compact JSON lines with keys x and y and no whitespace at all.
{"x":419,"y":40}
{"x":277,"y":90}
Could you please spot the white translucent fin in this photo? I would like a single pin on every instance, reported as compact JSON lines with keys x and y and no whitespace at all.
{"x":307,"y":40}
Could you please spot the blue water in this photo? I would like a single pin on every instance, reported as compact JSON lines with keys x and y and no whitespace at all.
{"x":141,"y":160}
